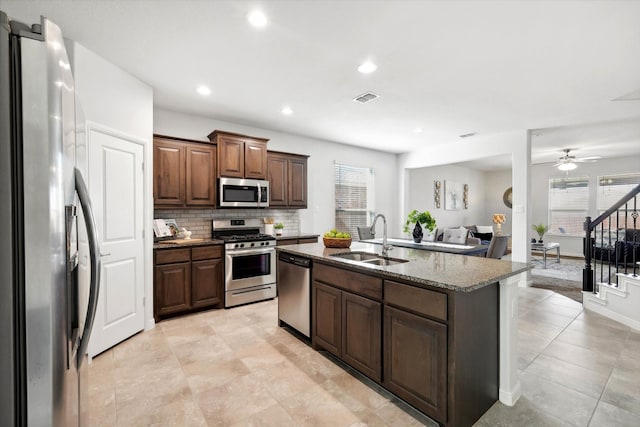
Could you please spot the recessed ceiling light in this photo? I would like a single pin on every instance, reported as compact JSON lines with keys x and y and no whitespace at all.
{"x":287,"y":111}
{"x":203,"y":90}
{"x":367,"y":67}
{"x":257,"y":19}
{"x":418,"y":130}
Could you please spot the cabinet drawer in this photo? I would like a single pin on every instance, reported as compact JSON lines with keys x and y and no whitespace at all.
{"x":206,"y":252}
{"x":308,"y":240}
{"x":421,"y":301}
{"x":284,"y":242}
{"x":172,"y":255}
{"x":355,"y":282}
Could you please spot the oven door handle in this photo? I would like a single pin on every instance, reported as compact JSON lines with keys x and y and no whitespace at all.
{"x":250,"y":252}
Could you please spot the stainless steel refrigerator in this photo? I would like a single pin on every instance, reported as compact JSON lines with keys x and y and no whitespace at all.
{"x":48,"y":285}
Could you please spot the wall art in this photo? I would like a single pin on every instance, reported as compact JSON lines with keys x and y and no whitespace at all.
{"x":436,"y":194}
{"x":452,"y":195}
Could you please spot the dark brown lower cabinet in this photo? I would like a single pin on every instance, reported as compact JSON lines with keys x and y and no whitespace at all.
{"x":415,"y":351}
{"x":327,"y":313}
{"x":172,"y":288}
{"x":203,"y":275}
{"x":187,"y":279}
{"x":361,"y":334}
{"x":349,"y":326}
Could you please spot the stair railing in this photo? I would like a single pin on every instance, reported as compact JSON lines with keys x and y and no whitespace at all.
{"x":618,"y":253}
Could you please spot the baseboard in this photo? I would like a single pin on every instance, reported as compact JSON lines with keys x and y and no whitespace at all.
{"x":594,"y":306}
{"x":510,"y":398}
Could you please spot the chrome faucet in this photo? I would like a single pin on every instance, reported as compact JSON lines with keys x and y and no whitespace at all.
{"x":385,"y":248}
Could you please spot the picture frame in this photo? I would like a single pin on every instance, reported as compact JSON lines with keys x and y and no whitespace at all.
{"x":452,"y":195}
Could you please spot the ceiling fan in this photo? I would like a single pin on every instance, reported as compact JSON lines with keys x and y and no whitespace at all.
{"x":568,"y":162}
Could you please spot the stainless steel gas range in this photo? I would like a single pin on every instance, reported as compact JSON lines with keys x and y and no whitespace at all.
{"x":250,"y":261}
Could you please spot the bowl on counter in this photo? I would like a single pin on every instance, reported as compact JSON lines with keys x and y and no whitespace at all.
{"x":334,"y":242}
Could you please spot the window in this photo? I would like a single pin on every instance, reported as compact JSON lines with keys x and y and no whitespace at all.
{"x":568,"y":205}
{"x":354,"y":198}
{"x":612,"y":188}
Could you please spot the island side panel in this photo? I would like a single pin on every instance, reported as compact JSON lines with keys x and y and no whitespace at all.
{"x":473,"y":354}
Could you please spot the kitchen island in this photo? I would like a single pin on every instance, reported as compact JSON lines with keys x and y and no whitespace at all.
{"x":436,"y":329}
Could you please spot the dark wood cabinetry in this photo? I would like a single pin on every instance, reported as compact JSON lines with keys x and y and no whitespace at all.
{"x":287,"y":175}
{"x":435,"y":348}
{"x":186,"y":279}
{"x":345,"y":323}
{"x":184,"y":173}
{"x":240,"y":156}
{"x":172,"y":288}
{"x":415,"y":352}
{"x":296,"y":241}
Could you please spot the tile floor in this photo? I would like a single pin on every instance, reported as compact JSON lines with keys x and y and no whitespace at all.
{"x":238,"y":368}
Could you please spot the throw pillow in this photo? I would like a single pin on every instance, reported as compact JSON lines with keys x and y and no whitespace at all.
{"x":485,"y":228}
{"x":455,"y":235}
{"x":483,"y":236}
{"x":429,"y":236}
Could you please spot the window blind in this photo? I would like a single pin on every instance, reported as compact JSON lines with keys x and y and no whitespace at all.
{"x":568,"y":204}
{"x":354,"y":204}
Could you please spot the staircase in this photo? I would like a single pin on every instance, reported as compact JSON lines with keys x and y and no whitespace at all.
{"x":618,"y":301}
{"x":611,"y":276}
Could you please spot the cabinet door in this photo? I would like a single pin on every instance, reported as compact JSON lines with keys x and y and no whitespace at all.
{"x":200,"y":175}
{"x":255,"y":160}
{"x":327,"y":325}
{"x":297,"y":178}
{"x":362,"y":334}
{"x":230,"y":157}
{"x":277,"y":176}
{"x":415,"y":353}
{"x":172,"y":288}
{"x":168,"y":173}
{"x":206,"y":282}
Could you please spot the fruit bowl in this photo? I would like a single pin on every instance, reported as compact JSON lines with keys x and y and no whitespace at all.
{"x":335,"y":242}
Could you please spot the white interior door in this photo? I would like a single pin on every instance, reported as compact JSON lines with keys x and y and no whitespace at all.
{"x":116,"y":188}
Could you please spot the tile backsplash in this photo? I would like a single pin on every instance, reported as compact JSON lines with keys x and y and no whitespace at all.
{"x":198,"y":221}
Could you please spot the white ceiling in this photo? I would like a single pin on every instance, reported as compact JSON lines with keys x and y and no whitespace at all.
{"x":448,"y":67}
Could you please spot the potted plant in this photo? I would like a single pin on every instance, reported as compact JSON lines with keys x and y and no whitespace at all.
{"x":279,"y":227}
{"x":418,"y":218}
{"x":541,"y":229}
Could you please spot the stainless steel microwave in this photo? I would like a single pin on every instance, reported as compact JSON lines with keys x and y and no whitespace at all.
{"x":243,"y":193}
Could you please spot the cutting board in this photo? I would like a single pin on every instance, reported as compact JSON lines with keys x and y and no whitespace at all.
{"x":180,"y":241}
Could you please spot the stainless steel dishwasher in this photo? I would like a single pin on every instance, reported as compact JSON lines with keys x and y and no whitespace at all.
{"x":294,"y":292}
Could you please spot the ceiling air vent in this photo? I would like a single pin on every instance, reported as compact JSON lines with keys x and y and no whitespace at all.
{"x":467,"y":135}
{"x":365,"y":97}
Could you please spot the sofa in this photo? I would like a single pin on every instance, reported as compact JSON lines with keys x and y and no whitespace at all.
{"x":616,"y":247}
{"x":475,"y":234}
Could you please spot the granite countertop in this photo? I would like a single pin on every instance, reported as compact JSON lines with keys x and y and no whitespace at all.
{"x":436,"y":269}
{"x":170,"y":244}
{"x":297,"y":236}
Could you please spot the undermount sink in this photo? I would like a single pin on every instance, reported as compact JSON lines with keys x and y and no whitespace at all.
{"x":370,"y":258}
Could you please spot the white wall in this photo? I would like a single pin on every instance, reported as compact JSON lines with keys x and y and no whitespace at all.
{"x":495,"y":184}
{"x":421,"y":195}
{"x":570,"y":245}
{"x":112,"y":98}
{"x":515,"y":143}
{"x":319,"y":217}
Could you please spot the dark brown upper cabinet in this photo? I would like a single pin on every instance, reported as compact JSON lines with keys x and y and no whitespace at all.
{"x":287,"y":176}
{"x":184,"y":173}
{"x":240,"y":156}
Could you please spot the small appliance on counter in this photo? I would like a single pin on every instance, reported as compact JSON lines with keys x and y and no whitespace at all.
{"x":250,"y":261}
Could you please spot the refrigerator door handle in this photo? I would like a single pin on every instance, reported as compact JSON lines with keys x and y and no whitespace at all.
{"x":94,"y":255}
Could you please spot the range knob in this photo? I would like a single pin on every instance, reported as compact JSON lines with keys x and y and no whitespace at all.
{"x":253,"y":244}
{"x":236,"y":245}
{"x":242,"y":245}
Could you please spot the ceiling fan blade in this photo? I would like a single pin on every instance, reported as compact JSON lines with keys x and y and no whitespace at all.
{"x":561,"y":162}
{"x":588,"y":159}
